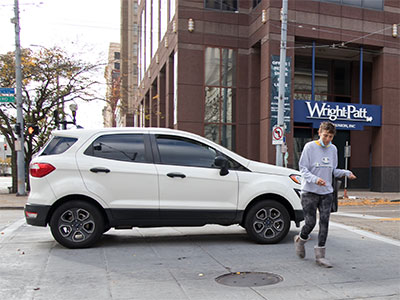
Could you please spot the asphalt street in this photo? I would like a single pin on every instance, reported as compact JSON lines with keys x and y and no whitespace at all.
{"x":186,"y":263}
{"x":183,"y":263}
{"x":380,"y":219}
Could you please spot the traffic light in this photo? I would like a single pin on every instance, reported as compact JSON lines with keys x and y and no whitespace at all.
{"x":56,"y":118}
{"x":17,"y":129}
{"x":5,"y":147}
{"x":33,"y":130}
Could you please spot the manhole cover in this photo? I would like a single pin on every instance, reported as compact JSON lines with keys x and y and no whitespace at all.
{"x":246,"y":279}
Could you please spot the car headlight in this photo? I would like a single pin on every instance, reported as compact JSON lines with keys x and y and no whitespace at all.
{"x":296,"y":178}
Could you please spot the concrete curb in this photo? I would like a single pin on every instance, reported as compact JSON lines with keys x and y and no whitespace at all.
{"x":12,"y":201}
{"x":11,"y":207}
{"x":367,"y":201}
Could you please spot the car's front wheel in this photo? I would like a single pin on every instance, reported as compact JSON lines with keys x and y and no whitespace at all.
{"x":267,"y":222}
{"x":77,"y":224}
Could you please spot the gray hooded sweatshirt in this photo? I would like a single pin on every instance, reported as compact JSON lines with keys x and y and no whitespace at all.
{"x":319,"y":161}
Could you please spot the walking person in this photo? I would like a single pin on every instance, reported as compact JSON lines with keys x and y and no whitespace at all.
{"x":318,"y":165}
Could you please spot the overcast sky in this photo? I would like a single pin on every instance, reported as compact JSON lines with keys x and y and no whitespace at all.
{"x":79,"y":26}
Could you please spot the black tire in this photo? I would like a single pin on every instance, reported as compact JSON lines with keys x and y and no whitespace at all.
{"x":77,"y":224}
{"x":267,"y":222}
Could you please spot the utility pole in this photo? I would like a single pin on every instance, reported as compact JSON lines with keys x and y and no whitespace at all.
{"x":19,"y":146}
{"x":281,"y":94}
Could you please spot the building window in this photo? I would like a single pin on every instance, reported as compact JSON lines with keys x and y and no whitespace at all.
{"x":117,"y":55}
{"x":163,"y":17}
{"x":371,"y":4}
{"x":172,"y":8}
{"x":135,"y":29}
{"x":332,"y":79}
{"x":142,"y":55}
{"x":256,"y":2}
{"x":116,"y":66}
{"x":220,"y":96}
{"x":227,"y":5}
{"x":302,"y":85}
{"x":175,"y":57}
{"x":147,"y":37}
{"x":155,"y":27}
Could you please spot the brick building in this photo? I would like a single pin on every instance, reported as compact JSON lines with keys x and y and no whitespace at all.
{"x":209,"y":67}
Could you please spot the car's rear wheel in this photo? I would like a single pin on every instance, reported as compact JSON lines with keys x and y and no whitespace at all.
{"x":77,"y":224}
{"x":267,"y":222}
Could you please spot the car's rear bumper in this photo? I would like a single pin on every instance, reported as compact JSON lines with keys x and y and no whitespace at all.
{"x":36,"y":214}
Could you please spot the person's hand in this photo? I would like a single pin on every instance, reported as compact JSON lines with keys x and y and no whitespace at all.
{"x":352,"y":176}
{"x":321,"y":182}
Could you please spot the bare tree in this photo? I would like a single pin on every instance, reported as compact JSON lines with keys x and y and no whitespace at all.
{"x":50,"y":79}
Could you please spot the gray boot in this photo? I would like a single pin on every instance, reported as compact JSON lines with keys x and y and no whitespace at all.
{"x":320,"y":257}
{"x":299,"y":245}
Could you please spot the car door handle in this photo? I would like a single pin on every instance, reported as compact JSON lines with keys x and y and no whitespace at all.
{"x":99,"y":170}
{"x":172,"y":175}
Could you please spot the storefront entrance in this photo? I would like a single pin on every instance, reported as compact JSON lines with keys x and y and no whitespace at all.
{"x":304,"y":134}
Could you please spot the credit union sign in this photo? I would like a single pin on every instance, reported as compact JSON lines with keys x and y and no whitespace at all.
{"x":346,"y":116}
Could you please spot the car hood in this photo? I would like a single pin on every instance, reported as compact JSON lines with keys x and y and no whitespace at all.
{"x":259,"y":167}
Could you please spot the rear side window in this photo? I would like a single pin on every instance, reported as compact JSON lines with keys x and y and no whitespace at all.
{"x":123,"y":147}
{"x":58,"y":145}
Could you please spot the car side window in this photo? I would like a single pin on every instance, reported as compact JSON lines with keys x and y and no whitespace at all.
{"x":185,"y":152}
{"x":58,"y":145}
{"x":122,"y":147}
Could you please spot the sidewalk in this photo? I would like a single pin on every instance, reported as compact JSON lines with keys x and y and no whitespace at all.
{"x":355,"y":197}
{"x":11,"y":201}
{"x":364,"y":197}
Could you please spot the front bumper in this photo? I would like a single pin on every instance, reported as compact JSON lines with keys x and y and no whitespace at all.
{"x":36,"y":214}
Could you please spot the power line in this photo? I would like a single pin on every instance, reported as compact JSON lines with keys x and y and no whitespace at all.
{"x":340,"y":44}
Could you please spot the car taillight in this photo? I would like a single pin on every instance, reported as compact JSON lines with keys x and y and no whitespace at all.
{"x":40,"y":169}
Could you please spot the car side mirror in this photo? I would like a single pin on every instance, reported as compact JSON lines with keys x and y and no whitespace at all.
{"x":97,"y":147}
{"x":222,"y":163}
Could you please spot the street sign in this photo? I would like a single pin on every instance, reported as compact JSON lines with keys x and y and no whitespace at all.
{"x":7,"y":99}
{"x":277,"y":135}
{"x":7,"y":91}
{"x":275,"y":66}
{"x":347,"y":151}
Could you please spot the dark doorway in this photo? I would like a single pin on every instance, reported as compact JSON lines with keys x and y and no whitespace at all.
{"x":340,"y":142}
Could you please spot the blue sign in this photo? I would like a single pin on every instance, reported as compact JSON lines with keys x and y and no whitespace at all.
{"x":275,"y":68}
{"x":346,"y":116}
{"x":7,"y":91}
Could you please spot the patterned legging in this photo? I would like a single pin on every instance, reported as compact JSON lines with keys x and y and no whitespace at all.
{"x":310,"y":203}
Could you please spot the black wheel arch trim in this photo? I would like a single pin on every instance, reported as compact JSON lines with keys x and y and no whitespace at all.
{"x":77,"y":197}
{"x":295,"y":215}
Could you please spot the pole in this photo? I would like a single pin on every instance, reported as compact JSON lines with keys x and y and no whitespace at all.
{"x":361,"y":73}
{"x":4,"y":165}
{"x":313,"y":73}
{"x":20,"y":118}
{"x":346,"y":157}
{"x":281,"y":95}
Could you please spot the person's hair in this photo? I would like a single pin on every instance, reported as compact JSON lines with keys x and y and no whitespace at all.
{"x":328,"y":126}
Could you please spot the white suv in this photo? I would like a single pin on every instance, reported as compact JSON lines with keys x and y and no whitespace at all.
{"x":83,"y":182}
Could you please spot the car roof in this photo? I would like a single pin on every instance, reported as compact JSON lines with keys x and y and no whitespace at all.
{"x":81,"y":132}
{"x":87,"y":133}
